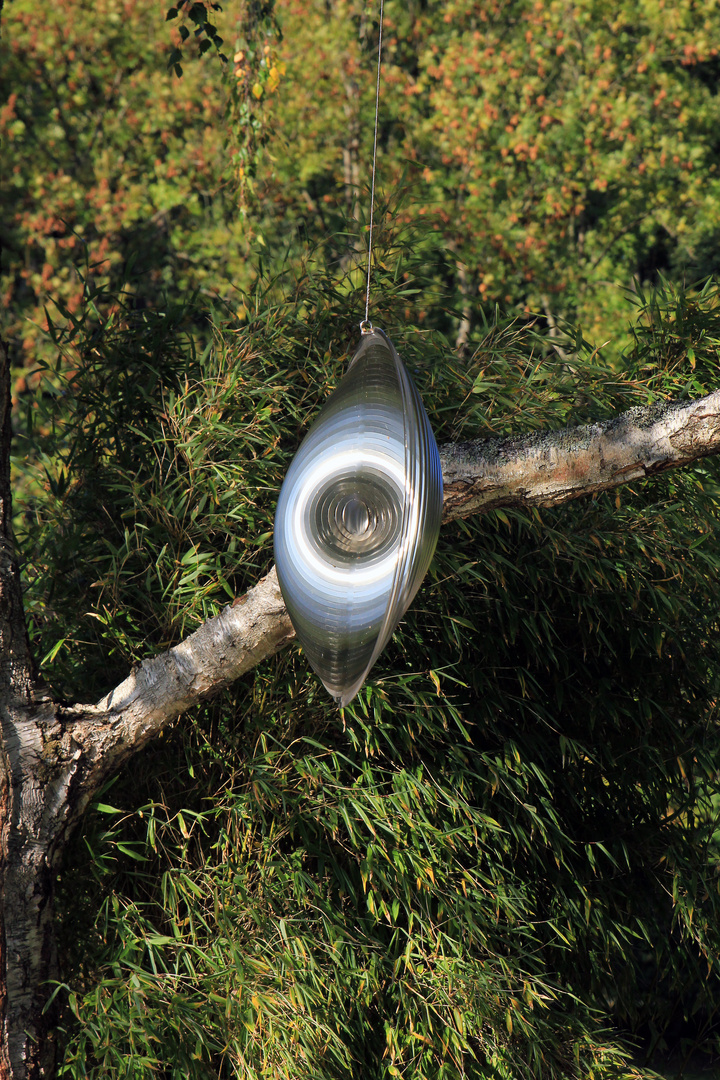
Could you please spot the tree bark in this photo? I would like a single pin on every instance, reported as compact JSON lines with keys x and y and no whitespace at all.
{"x":54,"y":758}
{"x":98,"y":739}
{"x":27,"y":809}
{"x":555,"y":466}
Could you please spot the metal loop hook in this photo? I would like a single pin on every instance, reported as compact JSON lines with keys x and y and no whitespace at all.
{"x":366,"y":327}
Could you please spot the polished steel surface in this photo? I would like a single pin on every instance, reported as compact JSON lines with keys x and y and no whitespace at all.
{"x":358,"y":517}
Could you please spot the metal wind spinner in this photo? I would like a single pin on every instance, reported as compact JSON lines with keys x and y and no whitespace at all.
{"x":358,"y":517}
{"x":359,"y":511}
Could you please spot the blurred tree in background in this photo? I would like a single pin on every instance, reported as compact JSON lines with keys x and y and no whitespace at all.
{"x":503,"y":858}
{"x":559,"y":151}
{"x":109,"y":159}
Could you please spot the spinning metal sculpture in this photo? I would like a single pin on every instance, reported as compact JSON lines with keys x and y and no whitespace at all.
{"x":359,"y":511}
{"x":358,"y":517}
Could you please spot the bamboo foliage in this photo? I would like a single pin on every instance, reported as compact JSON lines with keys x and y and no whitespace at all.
{"x":504,"y":853}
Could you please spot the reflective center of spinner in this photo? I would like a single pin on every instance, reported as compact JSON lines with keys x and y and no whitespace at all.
{"x":357,"y":517}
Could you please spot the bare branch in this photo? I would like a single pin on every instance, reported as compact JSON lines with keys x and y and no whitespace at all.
{"x":534,"y":470}
{"x":256,"y":626}
{"x":555,"y":466}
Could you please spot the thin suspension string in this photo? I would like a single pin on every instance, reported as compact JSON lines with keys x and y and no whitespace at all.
{"x":366,"y":325}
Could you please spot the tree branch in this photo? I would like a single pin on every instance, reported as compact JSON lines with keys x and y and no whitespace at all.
{"x":535,"y":470}
{"x":97,"y":739}
{"x":553,"y":467}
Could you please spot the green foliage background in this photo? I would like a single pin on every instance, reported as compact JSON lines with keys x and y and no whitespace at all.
{"x":501,"y":861}
{"x":556,"y":151}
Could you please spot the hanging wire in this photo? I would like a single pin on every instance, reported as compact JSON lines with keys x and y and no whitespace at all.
{"x":366,"y":325}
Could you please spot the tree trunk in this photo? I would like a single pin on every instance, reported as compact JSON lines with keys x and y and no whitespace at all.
{"x":28,"y":813}
{"x":29,"y":829}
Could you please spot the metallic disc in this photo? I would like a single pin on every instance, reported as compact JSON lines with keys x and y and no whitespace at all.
{"x":358,"y":517}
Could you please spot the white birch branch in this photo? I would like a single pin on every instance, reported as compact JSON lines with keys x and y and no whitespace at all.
{"x":552,"y":467}
{"x":254,"y":627}
{"x":534,"y":470}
